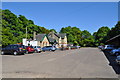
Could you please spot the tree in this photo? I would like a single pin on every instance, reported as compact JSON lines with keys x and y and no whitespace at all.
{"x":114,"y":31}
{"x":73,"y":34}
{"x":101,"y":34}
{"x":14,"y":28}
{"x":87,"y":39}
{"x":53,"y":30}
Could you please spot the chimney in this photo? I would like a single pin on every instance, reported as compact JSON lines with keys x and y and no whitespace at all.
{"x":34,"y":36}
{"x":52,"y":34}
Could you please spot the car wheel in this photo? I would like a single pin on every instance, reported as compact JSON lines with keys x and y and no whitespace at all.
{"x":15,"y":53}
{"x":23,"y":53}
{"x":35,"y":51}
{"x":53,"y":50}
{"x":2,"y":53}
{"x":116,"y":54}
{"x":50,"y":50}
{"x":26,"y":52}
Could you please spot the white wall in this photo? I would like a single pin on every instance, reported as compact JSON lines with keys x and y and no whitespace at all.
{"x":33,"y":43}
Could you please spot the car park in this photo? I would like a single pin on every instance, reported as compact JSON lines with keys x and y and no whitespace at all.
{"x":115,"y":52}
{"x":37,"y":49}
{"x":30,"y":49}
{"x":48,"y":48}
{"x":118,"y":60}
{"x":14,"y":49}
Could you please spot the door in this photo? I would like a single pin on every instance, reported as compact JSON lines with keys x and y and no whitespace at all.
{"x":7,"y":49}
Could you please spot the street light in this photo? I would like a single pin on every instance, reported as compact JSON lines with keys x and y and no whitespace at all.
{"x":26,"y":32}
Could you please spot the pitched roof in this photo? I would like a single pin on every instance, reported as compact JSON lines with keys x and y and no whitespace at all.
{"x":62,"y":35}
{"x":51,"y":39}
{"x":54,"y":34}
{"x":40,"y":37}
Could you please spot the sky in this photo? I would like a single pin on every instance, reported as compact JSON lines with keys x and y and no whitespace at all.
{"x":55,"y":15}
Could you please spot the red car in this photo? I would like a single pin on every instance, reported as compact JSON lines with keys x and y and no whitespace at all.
{"x":30,"y":49}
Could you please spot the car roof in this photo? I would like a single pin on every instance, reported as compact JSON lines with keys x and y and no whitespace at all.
{"x":17,"y":44}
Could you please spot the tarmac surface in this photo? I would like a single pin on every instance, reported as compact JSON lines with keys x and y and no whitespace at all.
{"x":78,"y":63}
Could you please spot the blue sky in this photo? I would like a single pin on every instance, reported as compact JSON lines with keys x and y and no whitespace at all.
{"x":55,"y":15}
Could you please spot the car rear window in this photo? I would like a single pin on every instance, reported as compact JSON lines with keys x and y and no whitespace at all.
{"x":48,"y":46}
{"x":38,"y":47}
{"x":31,"y":46}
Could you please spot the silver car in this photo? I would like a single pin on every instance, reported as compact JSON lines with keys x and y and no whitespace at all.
{"x":37,"y":49}
{"x":48,"y":48}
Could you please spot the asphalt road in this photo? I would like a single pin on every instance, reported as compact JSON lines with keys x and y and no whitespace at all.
{"x":79,"y":63}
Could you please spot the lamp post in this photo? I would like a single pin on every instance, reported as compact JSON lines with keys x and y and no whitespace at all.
{"x":26,"y":32}
{"x":26,"y":35}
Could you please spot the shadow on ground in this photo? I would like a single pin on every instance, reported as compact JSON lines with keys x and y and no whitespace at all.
{"x":112,"y":62}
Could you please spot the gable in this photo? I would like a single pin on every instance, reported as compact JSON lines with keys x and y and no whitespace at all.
{"x":45,"y":39}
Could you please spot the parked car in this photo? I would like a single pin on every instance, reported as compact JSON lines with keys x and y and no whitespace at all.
{"x":77,"y":47}
{"x":37,"y":48}
{"x":101,"y":47}
{"x":118,"y":60}
{"x":115,"y":52}
{"x":108,"y":48}
{"x":14,"y":49}
{"x":49,"y":48}
{"x":30,"y":49}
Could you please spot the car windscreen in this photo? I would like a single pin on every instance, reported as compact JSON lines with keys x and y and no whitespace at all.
{"x":14,"y":46}
{"x":38,"y":47}
{"x":22,"y":46}
{"x":31,"y":46}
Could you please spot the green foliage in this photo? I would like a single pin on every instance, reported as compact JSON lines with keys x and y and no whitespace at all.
{"x":87,"y":39}
{"x":53,"y":30}
{"x":73,"y":34}
{"x":14,"y":28}
{"x":114,"y":31}
{"x":100,"y":35}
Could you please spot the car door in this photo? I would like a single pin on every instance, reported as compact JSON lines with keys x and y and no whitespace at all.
{"x":47,"y":48}
{"x":7,"y":49}
{"x":13,"y":48}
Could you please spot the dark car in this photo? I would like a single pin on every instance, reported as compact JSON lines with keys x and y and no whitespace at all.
{"x":49,"y":48}
{"x":14,"y":49}
{"x":118,"y":60}
{"x":115,"y":52}
{"x":30,"y":49}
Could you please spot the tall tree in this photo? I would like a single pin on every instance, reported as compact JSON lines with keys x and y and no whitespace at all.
{"x":87,"y":39}
{"x":14,"y":28}
{"x":101,"y":34}
{"x":73,"y":34}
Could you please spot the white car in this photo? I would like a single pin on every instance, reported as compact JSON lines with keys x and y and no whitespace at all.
{"x":100,"y":47}
{"x":118,"y":59}
{"x":108,"y":47}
